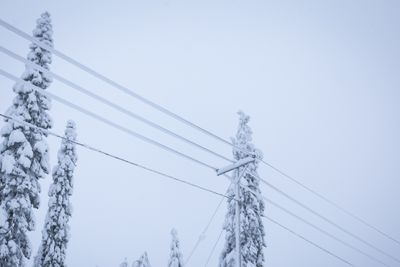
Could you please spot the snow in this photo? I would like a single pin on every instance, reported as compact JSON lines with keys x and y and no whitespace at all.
{"x":20,"y":167}
{"x":41,"y":147}
{"x":142,"y":262}
{"x":176,"y":258}
{"x":251,"y":227}
{"x":7,"y":164}
{"x":52,"y":251}
{"x":16,"y":136}
{"x":235,"y":165}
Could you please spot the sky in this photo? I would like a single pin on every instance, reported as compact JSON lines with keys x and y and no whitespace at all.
{"x":320,"y":80}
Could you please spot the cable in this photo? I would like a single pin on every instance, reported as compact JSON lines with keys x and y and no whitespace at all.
{"x":107,"y":102}
{"x":99,"y":118}
{"x":213,"y":248}
{"x":327,"y":220}
{"x":116,"y":157}
{"x":324,"y":232}
{"x":309,"y":241}
{"x":175,"y":116}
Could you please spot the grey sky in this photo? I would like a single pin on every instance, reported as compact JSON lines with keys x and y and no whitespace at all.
{"x":320,"y":80}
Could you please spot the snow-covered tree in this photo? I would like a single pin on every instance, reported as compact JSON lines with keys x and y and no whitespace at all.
{"x":124,"y":264}
{"x":142,"y":262}
{"x":175,"y":256}
{"x":24,"y":153}
{"x":55,"y":235}
{"x":251,"y":206}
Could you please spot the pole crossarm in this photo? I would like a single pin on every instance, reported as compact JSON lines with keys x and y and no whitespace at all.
{"x":235,"y":165}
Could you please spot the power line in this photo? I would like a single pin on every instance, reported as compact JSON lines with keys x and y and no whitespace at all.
{"x":309,"y":241}
{"x":108,"y":103}
{"x":179,"y":118}
{"x":110,"y":123}
{"x":116,"y":157}
{"x":155,"y":105}
{"x":151,"y":103}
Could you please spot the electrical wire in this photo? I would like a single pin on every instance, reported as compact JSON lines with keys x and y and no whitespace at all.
{"x":169,"y":149}
{"x":179,"y":118}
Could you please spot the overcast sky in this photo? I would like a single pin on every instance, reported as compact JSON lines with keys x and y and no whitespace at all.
{"x":320,"y":80}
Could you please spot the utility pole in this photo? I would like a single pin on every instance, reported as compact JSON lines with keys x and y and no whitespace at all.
{"x":237,"y":225}
{"x":236,"y":166}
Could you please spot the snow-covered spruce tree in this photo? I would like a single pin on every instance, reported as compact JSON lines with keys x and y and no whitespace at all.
{"x":142,"y":262}
{"x":124,"y":264}
{"x":24,"y":153}
{"x":55,"y":235}
{"x":175,"y":257}
{"x":251,"y":207}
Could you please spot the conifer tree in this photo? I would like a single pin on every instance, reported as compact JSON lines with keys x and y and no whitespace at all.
{"x":124,"y":263}
{"x":142,"y":262}
{"x":55,"y":235}
{"x":24,"y":153}
{"x":252,"y":233}
{"x":175,"y":258}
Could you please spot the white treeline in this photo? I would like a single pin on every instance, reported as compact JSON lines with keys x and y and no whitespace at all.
{"x":24,"y":153}
{"x":252,"y":233}
{"x":175,"y":257}
{"x":55,"y":235}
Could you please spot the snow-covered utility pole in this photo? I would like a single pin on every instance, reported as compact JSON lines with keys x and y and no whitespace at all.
{"x":245,"y":236}
{"x":231,"y":167}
